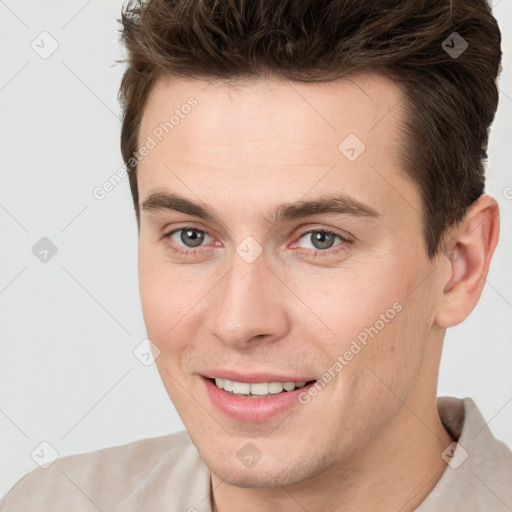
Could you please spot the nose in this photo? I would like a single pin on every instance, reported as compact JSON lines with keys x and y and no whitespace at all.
{"x":251,"y":305}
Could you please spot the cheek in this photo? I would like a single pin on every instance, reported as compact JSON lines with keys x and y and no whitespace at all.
{"x":376,"y":337}
{"x":172,"y":297}
{"x":391,"y":360}
{"x":376,"y":377}
{"x":162,"y":303}
{"x":153,"y":296}
{"x":348,"y":304}
{"x":164,"y":298}
{"x":165,"y":317}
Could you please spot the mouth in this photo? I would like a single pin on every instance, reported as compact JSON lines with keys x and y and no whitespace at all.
{"x":255,"y":397}
{"x":257,"y":389}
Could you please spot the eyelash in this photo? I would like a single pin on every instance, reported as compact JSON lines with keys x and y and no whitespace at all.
{"x":310,"y":252}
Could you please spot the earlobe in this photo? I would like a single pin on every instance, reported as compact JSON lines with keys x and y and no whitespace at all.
{"x":468,"y":257}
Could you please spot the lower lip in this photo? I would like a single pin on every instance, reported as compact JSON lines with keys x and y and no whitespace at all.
{"x":252,"y":410}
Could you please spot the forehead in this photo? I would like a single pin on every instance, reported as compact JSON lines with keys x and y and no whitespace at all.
{"x":360,"y":104}
{"x":257,"y":136}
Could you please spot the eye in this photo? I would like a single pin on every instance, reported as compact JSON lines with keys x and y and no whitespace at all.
{"x":187,"y":239}
{"x":322,"y":239}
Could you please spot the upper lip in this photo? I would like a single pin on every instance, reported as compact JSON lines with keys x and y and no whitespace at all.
{"x":254,"y":377}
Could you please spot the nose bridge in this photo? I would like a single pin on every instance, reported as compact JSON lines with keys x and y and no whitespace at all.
{"x":247,"y":303}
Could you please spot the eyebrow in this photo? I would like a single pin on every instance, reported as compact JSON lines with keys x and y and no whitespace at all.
{"x":338,"y":204}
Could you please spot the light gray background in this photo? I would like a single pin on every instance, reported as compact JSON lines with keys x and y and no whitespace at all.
{"x":68,"y":374}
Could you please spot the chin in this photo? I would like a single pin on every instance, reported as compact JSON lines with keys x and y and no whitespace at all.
{"x":262,"y":478}
{"x":268,"y":472}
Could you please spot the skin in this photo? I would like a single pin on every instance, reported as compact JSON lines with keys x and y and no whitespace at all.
{"x":372,"y":438}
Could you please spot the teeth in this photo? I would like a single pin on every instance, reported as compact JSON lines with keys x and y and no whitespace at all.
{"x":257,"y":389}
{"x":242,"y":388}
{"x":289,"y":386}
{"x":275,"y":387}
{"x":260,"y":388}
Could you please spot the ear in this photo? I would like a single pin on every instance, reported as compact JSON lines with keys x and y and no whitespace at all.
{"x":467,"y":257}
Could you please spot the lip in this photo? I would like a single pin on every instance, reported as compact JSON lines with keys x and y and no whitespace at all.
{"x":253,"y":410}
{"x":254,"y":377}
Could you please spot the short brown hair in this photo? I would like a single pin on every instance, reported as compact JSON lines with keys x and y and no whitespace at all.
{"x":450,"y":99}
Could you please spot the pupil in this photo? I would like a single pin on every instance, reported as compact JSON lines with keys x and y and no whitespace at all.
{"x":325,"y":240}
{"x":196,"y":239}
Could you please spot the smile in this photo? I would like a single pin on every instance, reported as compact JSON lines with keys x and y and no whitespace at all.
{"x":256,"y":389}
{"x":254,"y":402}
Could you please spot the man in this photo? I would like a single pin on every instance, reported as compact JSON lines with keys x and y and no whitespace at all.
{"x":309,"y":189}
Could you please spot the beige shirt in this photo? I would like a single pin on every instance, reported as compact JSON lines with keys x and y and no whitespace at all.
{"x":167,"y":474}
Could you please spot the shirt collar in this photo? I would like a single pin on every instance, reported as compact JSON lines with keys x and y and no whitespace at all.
{"x":479,"y":471}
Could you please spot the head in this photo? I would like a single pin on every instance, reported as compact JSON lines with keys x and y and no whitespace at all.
{"x":333,"y":152}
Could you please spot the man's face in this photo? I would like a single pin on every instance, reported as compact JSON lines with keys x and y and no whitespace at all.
{"x":261,"y":301}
